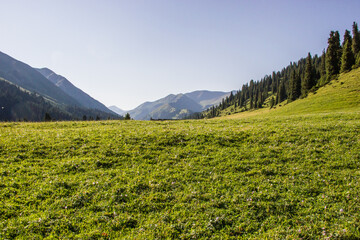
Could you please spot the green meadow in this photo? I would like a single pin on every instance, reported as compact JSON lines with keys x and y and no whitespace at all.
{"x":274,"y":176}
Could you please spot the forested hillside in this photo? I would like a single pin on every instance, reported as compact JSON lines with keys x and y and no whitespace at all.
{"x":297,"y":79}
{"x":18,"y":104}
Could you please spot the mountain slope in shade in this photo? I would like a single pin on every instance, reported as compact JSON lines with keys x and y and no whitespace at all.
{"x":177,"y":106}
{"x":80,"y":96}
{"x":26,"y":77}
{"x":117,"y":110}
{"x":17,"y":104}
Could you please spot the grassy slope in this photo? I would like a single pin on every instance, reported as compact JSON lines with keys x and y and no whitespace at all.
{"x":342,"y":95}
{"x":286,"y":176}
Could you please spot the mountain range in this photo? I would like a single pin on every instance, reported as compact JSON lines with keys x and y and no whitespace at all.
{"x":80,"y":96}
{"x":117,"y":110}
{"x":29,"y":93}
{"x":28,"y":78}
{"x":175,"y":106}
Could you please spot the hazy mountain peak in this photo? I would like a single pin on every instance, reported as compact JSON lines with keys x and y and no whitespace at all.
{"x":175,"y":106}
{"x":117,"y":110}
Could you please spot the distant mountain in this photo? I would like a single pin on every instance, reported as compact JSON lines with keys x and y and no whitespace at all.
{"x":117,"y":110}
{"x":26,"y":77}
{"x":27,"y":95}
{"x":177,"y":106}
{"x":207,"y":98}
{"x":83,"y":98}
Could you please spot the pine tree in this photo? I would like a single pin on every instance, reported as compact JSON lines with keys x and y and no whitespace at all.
{"x":355,"y":39}
{"x":347,"y":37}
{"x":274,"y":83}
{"x":294,"y":86}
{"x":127,"y":116}
{"x":332,"y":55}
{"x":281,"y":96}
{"x":347,"y":59}
{"x":256,"y":99}
{"x":291,"y":87}
{"x":322,"y":69}
{"x":356,"y":44}
{"x":337,"y":37}
{"x":308,"y":81}
{"x":47,"y":117}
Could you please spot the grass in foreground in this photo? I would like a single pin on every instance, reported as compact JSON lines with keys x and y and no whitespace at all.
{"x":280,"y":177}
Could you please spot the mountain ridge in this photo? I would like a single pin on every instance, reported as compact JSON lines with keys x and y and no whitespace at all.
{"x":23,"y":75}
{"x":117,"y":110}
{"x":79,"y":95}
{"x":177,"y":106}
{"x":28,"y":95}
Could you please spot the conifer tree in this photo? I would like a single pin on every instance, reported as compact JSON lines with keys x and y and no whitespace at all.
{"x":242,"y":97}
{"x":347,"y":37}
{"x":332,"y":55}
{"x":337,"y":37}
{"x":308,"y":81}
{"x":294,"y":86}
{"x":322,"y":69}
{"x":281,"y":96}
{"x":47,"y":117}
{"x":256,"y":99}
{"x":127,"y":116}
{"x":274,"y":83}
{"x":347,"y":59}
{"x":355,"y":39}
{"x":356,"y":44}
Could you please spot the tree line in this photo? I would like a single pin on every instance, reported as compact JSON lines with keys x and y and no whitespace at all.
{"x":297,"y":79}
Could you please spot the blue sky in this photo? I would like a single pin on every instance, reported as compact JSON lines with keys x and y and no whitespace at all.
{"x":126,"y":52}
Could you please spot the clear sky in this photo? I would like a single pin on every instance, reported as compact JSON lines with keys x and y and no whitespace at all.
{"x":125,"y":52}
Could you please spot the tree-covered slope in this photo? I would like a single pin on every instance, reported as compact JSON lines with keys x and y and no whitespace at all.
{"x":297,"y":80}
{"x":339,"y":95}
{"x":18,"y":104}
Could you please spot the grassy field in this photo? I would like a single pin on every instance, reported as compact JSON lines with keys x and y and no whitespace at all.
{"x":266,"y":176}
